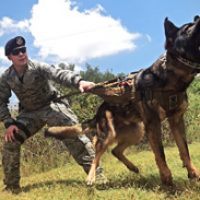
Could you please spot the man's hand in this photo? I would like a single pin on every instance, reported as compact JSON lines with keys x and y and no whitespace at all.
{"x":10,"y":133}
{"x":85,"y":85}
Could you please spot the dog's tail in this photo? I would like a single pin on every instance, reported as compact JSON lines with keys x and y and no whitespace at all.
{"x":61,"y":132}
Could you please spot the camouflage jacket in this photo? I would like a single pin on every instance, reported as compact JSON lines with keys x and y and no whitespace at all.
{"x":35,"y":89}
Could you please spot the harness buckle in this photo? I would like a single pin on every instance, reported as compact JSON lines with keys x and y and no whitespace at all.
{"x":173,"y":101}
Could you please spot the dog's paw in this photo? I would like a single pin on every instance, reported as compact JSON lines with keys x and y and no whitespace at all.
{"x":194,"y":175}
{"x":134,"y":169}
{"x":90,"y":182}
{"x":99,"y":179}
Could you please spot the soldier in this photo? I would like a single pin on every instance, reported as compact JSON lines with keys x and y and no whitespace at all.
{"x":31,"y":82}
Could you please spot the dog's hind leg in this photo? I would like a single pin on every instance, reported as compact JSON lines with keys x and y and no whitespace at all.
{"x":127,"y":136}
{"x":178,"y":130}
{"x":118,"y":153}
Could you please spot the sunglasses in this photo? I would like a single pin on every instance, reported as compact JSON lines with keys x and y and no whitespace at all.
{"x":15,"y":52}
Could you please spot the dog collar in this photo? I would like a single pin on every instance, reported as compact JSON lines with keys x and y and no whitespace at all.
{"x":188,"y":63}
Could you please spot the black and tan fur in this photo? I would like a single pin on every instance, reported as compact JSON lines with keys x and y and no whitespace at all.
{"x":159,"y":93}
{"x":104,"y":129}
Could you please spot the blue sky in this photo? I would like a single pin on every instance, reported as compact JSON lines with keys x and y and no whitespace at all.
{"x":122,"y":36}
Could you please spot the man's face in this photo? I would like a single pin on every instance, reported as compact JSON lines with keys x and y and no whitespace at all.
{"x":19,"y":56}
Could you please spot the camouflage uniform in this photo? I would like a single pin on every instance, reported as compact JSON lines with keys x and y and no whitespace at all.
{"x":35,"y":93}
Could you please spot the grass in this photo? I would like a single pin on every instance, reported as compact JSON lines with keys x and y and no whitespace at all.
{"x":68,"y":182}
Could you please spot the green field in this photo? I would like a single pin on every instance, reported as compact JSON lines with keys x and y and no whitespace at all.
{"x":68,"y":182}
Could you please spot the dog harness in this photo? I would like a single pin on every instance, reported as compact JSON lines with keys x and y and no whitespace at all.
{"x":139,"y":86}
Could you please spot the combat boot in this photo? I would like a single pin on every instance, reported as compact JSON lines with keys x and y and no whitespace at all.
{"x":101,"y":179}
{"x":14,"y":189}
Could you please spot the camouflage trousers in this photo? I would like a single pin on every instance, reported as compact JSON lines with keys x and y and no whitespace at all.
{"x":30,"y":123}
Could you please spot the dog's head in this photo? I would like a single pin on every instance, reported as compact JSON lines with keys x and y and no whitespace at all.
{"x":184,"y":41}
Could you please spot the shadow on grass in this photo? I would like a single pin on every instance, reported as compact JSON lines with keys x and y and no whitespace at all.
{"x":49,"y":184}
{"x":152,"y":183}
{"x":149,"y":183}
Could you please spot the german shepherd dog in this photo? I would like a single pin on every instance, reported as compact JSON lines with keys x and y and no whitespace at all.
{"x":147,"y":98}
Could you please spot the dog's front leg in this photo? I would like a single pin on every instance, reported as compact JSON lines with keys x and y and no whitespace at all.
{"x":153,"y":130}
{"x":92,"y":173}
{"x":178,"y":130}
{"x":102,"y":143}
{"x":100,"y":149}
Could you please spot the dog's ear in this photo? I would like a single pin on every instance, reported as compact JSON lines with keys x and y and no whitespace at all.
{"x":196,"y":28}
{"x":170,"y":33}
{"x":196,"y":18}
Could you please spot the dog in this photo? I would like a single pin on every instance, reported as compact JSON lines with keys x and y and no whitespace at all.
{"x":139,"y":103}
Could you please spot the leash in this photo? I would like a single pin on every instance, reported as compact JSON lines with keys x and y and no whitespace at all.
{"x":66,"y":95}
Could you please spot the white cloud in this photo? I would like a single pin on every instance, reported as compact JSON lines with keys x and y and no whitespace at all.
{"x":61,"y":30}
{"x":3,"y":61}
{"x":3,"y":58}
{"x":148,"y":37}
{"x":7,"y":25}
{"x":64,"y":33}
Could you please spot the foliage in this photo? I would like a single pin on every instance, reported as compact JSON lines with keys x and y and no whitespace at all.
{"x":94,"y":75}
{"x":192,"y":116}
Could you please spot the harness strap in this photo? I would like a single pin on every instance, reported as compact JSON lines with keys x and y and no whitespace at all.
{"x":169,"y":100}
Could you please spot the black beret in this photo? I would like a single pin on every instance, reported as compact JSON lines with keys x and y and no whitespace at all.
{"x":14,"y":43}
